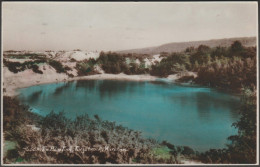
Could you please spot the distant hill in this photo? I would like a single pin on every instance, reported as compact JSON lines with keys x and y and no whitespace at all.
{"x":181,"y":46}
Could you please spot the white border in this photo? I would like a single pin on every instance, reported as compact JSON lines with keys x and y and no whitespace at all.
{"x":257,"y":86}
{"x":257,"y":46}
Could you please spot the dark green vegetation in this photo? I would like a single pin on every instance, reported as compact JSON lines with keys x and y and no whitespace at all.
{"x":37,"y":59}
{"x":103,"y":141}
{"x":25,"y":55}
{"x":16,"y":67}
{"x":231,"y":67}
{"x":171,"y":64}
{"x":86,"y":67}
{"x":57,"y":65}
{"x":115,"y":63}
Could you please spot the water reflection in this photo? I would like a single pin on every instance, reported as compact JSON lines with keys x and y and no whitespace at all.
{"x":88,"y":85}
{"x":205,"y":102}
{"x":111,"y":88}
{"x":108,"y":88}
{"x":61,"y":89}
{"x":34,"y":96}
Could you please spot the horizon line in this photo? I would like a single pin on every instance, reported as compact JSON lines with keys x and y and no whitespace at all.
{"x":211,"y":39}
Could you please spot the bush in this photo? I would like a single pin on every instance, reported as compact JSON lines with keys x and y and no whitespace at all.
{"x":228,"y":73}
{"x":35,"y":69}
{"x":57,"y":66}
{"x":16,"y":67}
{"x":15,"y":114}
{"x":13,"y":66}
{"x":86,"y":67}
{"x":112,"y":62}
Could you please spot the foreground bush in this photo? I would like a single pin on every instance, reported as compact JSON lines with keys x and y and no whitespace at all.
{"x":57,"y":139}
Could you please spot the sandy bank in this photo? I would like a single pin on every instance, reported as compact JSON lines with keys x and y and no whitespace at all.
{"x":13,"y":81}
{"x":120,"y":76}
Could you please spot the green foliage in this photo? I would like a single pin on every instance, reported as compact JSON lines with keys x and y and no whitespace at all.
{"x":25,"y":56}
{"x":172,"y":64}
{"x":116,"y":63}
{"x":112,"y":62}
{"x":219,"y":52}
{"x":162,"y":69}
{"x":84,"y":68}
{"x":236,"y":47}
{"x":190,"y":49}
{"x":14,"y":115}
{"x":227,"y":68}
{"x":35,"y":69}
{"x":16,"y":67}
{"x":57,"y":66}
{"x":161,"y":152}
{"x":201,"y":55}
{"x":228,"y":73}
{"x":244,"y":144}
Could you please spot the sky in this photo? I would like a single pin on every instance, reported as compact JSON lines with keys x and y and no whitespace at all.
{"x":39,"y":26}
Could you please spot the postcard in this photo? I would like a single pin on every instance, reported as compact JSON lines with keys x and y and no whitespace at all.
{"x":129,"y":83}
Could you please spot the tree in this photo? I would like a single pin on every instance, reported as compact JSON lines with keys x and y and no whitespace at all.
{"x":236,"y":47}
{"x":203,"y":49}
{"x":200,"y":55}
{"x":243,"y":146}
{"x":196,"y":66}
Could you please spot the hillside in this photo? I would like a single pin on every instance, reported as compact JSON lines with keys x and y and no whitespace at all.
{"x":181,"y":46}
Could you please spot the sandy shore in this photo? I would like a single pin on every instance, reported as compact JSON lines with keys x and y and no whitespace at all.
{"x":13,"y":81}
{"x":27,"y":78}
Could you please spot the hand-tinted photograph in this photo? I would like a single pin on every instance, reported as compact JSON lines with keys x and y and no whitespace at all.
{"x":129,"y":83}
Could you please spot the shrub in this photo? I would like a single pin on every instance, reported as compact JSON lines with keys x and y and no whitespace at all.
{"x":57,"y":66}
{"x":112,"y":62}
{"x":35,"y":69}
{"x":13,"y":66}
{"x":86,"y":67}
{"x":16,"y":67}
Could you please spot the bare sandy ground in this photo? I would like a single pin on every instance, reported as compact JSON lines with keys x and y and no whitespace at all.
{"x":13,"y":81}
{"x":27,"y":78}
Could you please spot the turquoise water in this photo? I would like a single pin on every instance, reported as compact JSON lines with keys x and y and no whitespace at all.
{"x":183,"y":115}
